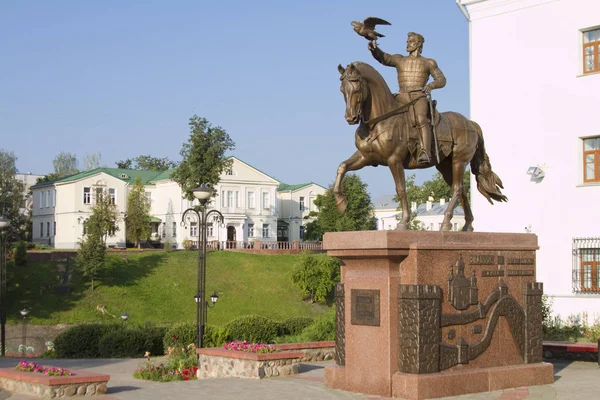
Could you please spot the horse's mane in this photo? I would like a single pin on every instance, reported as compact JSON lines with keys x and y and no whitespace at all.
{"x":373,"y":76}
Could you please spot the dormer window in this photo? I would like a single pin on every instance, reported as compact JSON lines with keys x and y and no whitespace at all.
{"x":229,"y":172}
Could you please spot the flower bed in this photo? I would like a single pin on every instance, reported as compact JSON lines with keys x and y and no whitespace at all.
{"x":49,"y":382}
{"x":180,"y":366}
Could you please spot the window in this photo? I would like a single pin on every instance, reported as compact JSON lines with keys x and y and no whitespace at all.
{"x":41,"y":228}
{"x":251,"y":200}
{"x":250,"y":230}
{"x":586,"y":265}
{"x":591,"y":50}
{"x":164,"y":230}
{"x":148,"y":197}
{"x":48,"y":198}
{"x":112,"y":194}
{"x":98,"y":195}
{"x":209,"y":230}
{"x":266,"y":203}
{"x":193,"y":229}
{"x":229,"y":198}
{"x":591,"y":159}
{"x":48,"y":229}
{"x":237,"y":199}
{"x":54,"y":199}
{"x":87,"y":195}
{"x":223,"y":199}
{"x":42,"y":199}
{"x":174,"y":229}
{"x":54,"y":228}
{"x":85,"y":227}
{"x":265,"y":231}
{"x":301,"y":203}
{"x":229,"y":172}
{"x":302,"y":232}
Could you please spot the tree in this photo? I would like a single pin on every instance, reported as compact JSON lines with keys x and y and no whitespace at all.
{"x":358,"y":216}
{"x":91,"y":161}
{"x":12,"y":196}
{"x":436,"y":188}
{"x":316,"y":275}
{"x":65,"y":164}
{"x":203,"y":156}
{"x":147,"y":163}
{"x":105,"y":217}
{"x":137,"y":220}
{"x":91,"y":256}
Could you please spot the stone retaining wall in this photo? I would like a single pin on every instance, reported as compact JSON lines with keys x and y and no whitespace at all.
{"x":313,"y":351}
{"x":221,"y":363}
{"x":32,"y":383}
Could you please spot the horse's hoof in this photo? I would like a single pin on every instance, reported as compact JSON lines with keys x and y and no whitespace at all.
{"x":468,"y":228}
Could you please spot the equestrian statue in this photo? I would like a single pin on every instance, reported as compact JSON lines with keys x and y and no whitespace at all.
{"x":405,"y":131}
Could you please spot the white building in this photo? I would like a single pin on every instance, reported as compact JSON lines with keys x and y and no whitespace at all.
{"x":247,"y":198}
{"x":28,"y":179}
{"x":535,"y":82}
{"x":429,"y":215}
{"x":296,"y":202}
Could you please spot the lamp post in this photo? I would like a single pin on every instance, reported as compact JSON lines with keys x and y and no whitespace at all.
{"x":5,"y":238}
{"x":124,"y":317}
{"x":24,"y":313}
{"x":203,"y":193}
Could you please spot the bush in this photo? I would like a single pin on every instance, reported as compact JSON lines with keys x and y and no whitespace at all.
{"x":316,"y":275}
{"x":214,"y":336}
{"x":323,"y":329}
{"x":132,"y":342}
{"x":253,"y":328}
{"x":40,"y":246}
{"x":21,"y":254}
{"x":294,"y":325}
{"x":82,"y":341}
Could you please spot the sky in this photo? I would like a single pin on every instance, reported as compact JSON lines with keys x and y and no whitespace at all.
{"x":122,"y":78}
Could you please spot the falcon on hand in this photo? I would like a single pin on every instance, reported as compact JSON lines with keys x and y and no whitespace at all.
{"x":367,"y":27}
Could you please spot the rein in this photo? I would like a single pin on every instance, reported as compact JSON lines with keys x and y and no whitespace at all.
{"x":399,"y":110}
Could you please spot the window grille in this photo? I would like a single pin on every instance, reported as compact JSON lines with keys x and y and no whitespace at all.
{"x":586,"y":265}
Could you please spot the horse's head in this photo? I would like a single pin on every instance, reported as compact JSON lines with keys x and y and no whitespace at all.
{"x":354,"y":91}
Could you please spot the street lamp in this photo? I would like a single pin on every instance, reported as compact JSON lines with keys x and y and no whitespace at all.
{"x":124,"y":316}
{"x":203,"y":193}
{"x":5,"y":239}
{"x":24,"y":312}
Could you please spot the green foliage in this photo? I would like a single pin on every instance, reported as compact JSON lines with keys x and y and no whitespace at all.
{"x":294,"y":325}
{"x":323,"y":329}
{"x":21,"y":254}
{"x":65,"y":164}
{"x":203,"y":156}
{"x":137,"y":219}
{"x":185,"y":334}
{"x":358,"y":215}
{"x":105,"y":216}
{"x":436,"y":188}
{"x":91,"y":161}
{"x":316,"y":275}
{"x":215,"y":336}
{"x":82,"y":341}
{"x":546,"y":312}
{"x":91,"y":257}
{"x":147,"y":163}
{"x":181,"y":365}
{"x":132,"y":342}
{"x":253,"y":328}
{"x":11,"y":196}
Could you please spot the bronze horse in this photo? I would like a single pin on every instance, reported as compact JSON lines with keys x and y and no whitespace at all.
{"x":382,"y":139}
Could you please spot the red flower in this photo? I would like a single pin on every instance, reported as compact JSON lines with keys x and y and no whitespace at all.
{"x":175,"y":337}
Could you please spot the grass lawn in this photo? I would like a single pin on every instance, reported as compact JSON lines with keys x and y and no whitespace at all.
{"x":159,"y":287}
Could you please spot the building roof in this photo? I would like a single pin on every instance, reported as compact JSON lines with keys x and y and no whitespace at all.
{"x":284,"y":187}
{"x":126,"y":175}
{"x":436,"y":209}
{"x":385,"y":203}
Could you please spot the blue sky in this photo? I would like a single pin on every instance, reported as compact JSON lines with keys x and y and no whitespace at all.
{"x":123,"y":77}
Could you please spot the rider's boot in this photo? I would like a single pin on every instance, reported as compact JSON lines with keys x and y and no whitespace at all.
{"x":424,"y":155}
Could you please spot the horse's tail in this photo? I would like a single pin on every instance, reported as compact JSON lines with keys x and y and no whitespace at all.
{"x":488,"y":183}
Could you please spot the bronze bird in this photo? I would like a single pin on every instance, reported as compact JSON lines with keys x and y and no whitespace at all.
{"x":367,"y":28}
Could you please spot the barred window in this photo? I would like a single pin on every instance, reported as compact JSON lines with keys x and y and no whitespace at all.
{"x":586,"y":265}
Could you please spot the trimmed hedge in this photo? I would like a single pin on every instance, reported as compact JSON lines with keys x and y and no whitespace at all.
{"x":186,"y":334}
{"x":253,"y":328}
{"x":109,"y":341}
{"x":294,"y":325}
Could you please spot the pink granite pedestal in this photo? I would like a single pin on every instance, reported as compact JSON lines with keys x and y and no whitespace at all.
{"x":430,"y":314}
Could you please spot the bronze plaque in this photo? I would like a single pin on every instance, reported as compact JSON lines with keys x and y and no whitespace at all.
{"x":365,"y":307}
{"x":495,"y":272}
{"x":483,"y":259}
{"x":520,"y":272}
{"x":521,"y":261}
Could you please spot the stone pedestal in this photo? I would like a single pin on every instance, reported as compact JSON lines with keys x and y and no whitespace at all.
{"x":431,"y":314}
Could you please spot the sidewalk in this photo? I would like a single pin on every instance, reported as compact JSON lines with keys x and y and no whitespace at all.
{"x":573,"y":380}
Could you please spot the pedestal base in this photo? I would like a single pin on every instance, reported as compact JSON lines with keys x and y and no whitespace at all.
{"x":454,"y":383}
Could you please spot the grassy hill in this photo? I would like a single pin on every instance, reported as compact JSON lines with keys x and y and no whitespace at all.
{"x":159,"y":287}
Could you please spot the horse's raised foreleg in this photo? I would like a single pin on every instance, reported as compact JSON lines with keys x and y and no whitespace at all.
{"x":453,"y":173}
{"x":398,"y":173}
{"x":355,"y":162}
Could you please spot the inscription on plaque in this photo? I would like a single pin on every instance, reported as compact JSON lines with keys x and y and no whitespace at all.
{"x":484,"y":259}
{"x":500,"y":260}
{"x":520,"y":272}
{"x":494,"y":272}
{"x":521,"y":261}
{"x":365,"y":307}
